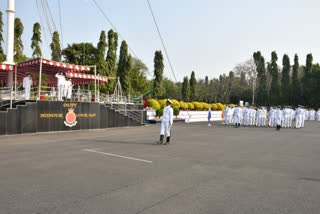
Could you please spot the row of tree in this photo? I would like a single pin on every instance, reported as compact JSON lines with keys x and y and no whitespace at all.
{"x":254,"y":81}
{"x":289,"y":85}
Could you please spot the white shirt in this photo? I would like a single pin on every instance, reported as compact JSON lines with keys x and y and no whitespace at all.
{"x":167,"y":115}
{"x":60,"y":79}
{"x":278,"y":116}
{"x":27,"y":82}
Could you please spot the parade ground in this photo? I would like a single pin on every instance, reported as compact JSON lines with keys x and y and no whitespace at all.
{"x":205,"y":169}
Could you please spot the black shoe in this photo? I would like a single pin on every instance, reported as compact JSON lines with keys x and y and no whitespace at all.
{"x":168,"y":141}
{"x":161,"y":140}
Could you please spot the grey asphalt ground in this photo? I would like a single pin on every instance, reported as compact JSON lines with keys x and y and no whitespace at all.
{"x":205,"y":170}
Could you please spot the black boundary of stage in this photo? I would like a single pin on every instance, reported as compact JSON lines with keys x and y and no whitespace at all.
{"x":49,"y":116}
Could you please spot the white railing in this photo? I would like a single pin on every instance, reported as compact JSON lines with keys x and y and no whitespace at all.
{"x":106,"y":98}
{"x":126,"y":105}
{"x":8,"y":94}
{"x":80,"y":95}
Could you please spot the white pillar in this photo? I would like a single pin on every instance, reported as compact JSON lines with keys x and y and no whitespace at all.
{"x":10,"y":40}
{"x":40,"y":77}
{"x":10,"y":32}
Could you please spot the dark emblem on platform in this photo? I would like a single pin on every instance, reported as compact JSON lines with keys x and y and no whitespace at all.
{"x":71,"y":118}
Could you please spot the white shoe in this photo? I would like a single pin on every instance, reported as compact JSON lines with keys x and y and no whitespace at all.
{"x":209,"y":124}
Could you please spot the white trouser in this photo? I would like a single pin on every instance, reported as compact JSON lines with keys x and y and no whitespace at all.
{"x":272,"y":121}
{"x":290,"y":122}
{"x":248,"y":120}
{"x":258,"y":121}
{"x":60,"y":92}
{"x":226,"y":120}
{"x":27,"y":93}
{"x":263,"y":121}
{"x":236,"y":119}
{"x":253,"y":119}
{"x":165,"y":128}
{"x":287,"y":121}
{"x":302,"y":122}
{"x":229,"y":118}
{"x":298,"y":122}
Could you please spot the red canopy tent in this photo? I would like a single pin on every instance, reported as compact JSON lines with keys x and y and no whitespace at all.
{"x":50,"y":68}
{"x":6,"y":67}
{"x":38,"y":67}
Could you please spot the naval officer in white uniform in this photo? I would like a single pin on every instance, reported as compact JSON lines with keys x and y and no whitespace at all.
{"x":166,"y":123}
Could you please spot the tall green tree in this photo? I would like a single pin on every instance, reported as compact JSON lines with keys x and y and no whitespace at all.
{"x":185,"y":90}
{"x":223,"y":85}
{"x":112,"y":52}
{"x":2,"y":55}
{"x":213,"y":90}
{"x":275,"y":87}
{"x":101,"y":52}
{"x":18,"y":44}
{"x":138,"y":79}
{"x":171,"y":89}
{"x":307,"y":80}
{"x":80,"y":54}
{"x":243,"y":81}
{"x":206,"y":91}
{"x":295,"y":86}
{"x":193,"y":85}
{"x":262,"y":92}
{"x":55,"y":47}
{"x":158,"y":74}
{"x":309,"y":65}
{"x":285,"y":80}
{"x":111,"y":58}
{"x":124,"y":67}
{"x":36,"y":40}
{"x":206,"y":81}
{"x":100,"y":57}
{"x":314,"y":98}
{"x":231,"y":79}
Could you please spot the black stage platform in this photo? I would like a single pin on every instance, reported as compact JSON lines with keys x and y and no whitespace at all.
{"x":47,"y":116}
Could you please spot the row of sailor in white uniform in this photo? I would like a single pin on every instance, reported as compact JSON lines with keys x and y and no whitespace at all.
{"x":249,"y":116}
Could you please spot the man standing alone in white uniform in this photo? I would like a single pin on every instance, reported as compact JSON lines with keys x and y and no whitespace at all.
{"x":166,"y":123}
{"x":27,"y":83}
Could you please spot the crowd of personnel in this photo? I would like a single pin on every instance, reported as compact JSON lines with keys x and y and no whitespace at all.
{"x":64,"y":86}
{"x":285,"y":117}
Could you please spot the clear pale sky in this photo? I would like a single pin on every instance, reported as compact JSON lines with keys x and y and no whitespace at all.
{"x":207,"y":36}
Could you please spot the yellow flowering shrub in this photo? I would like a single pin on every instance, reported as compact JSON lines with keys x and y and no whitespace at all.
{"x":214,"y":107}
{"x":190,"y":106}
{"x":183,"y":105}
{"x":175,"y":104}
{"x":154,"y":104}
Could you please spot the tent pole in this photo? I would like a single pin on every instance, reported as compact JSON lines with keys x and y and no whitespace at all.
{"x":39,"y":85}
{"x":15,"y":82}
{"x":98,"y":88}
{"x":95,"y":83}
